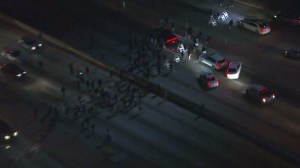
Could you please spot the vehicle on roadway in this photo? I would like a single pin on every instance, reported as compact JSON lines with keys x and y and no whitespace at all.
{"x":292,"y":53}
{"x":256,"y":26}
{"x":288,"y":16}
{"x":8,"y":135}
{"x":13,"y":70}
{"x":260,"y":94}
{"x":214,"y":60}
{"x":208,"y":80}
{"x":166,"y":36}
{"x":30,"y":43}
{"x":233,"y":70}
{"x":12,"y":54}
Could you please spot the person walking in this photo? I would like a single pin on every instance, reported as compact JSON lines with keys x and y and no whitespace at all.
{"x":35,"y":113}
{"x":41,"y":63}
{"x":63,"y":91}
{"x":107,"y":139}
{"x":92,"y":129}
{"x":71,"y":68}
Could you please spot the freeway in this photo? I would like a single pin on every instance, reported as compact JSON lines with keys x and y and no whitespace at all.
{"x":274,"y":122}
{"x":163,"y":135}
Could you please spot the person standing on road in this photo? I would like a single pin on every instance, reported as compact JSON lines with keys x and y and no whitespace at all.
{"x":230,"y":24}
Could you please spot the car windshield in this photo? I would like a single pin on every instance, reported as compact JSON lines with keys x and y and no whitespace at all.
{"x":231,"y":70}
{"x":211,"y":78}
{"x":264,"y":93}
{"x":14,"y":52}
{"x":4,"y":128}
{"x":263,"y":25}
{"x":30,"y":41}
{"x":221,"y":61}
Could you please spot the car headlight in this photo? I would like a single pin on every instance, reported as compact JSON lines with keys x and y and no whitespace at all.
{"x":263,"y":100}
{"x":33,"y":48}
{"x":40,"y":44}
{"x":7,"y":137}
{"x":15,"y":134}
{"x":19,"y":75}
{"x":24,"y":72}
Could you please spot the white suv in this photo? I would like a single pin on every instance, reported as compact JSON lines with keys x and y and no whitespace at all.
{"x":256,"y":26}
{"x":233,"y":70}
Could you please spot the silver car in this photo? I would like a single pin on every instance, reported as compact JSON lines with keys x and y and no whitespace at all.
{"x":208,"y":80}
{"x":256,"y":26}
{"x":214,"y":60}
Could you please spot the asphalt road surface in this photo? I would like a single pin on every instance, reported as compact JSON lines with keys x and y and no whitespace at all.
{"x":278,"y":122}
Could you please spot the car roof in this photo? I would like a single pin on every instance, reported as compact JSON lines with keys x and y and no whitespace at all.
{"x":208,"y":74}
{"x":257,"y":21}
{"x":29,"y":39}
{"x":257,"y":86}
{"x":4,"y":127}
{"x":295,"y":49}
{"x":234,"y":64}
{"x":216,"y":56}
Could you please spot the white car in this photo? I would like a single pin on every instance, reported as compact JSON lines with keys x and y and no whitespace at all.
{"x":256,"y":26}
{"x":233,"y":70}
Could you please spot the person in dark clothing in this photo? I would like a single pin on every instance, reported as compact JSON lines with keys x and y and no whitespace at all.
{"x":230,"y":24}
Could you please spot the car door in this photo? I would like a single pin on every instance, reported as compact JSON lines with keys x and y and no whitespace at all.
{"x":253,"y":26}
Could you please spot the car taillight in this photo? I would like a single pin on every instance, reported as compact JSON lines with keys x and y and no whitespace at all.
{"x":217,"y":65}
{"x":208,"y":83}
{"x":269,"y":27}
{"x":262,"y":30}
{"x":217,"y":82}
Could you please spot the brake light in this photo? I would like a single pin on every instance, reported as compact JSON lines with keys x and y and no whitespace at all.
{"x":171,"y":39}
{"x":217,"y":64}
{"x":208,"y":83}
{"x":262,"y":30}
{"x":273,"y":95}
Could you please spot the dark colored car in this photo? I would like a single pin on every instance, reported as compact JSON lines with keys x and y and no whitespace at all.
{"x":291,"y":17}
{"x":7,"y":134}
{"x":30,"y":43}
{"x":168,"y":39}
{"x":292,"y":53}
{"x":260,"y":94}
{"x":13,"y":70}
{"x":12,"y":54}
